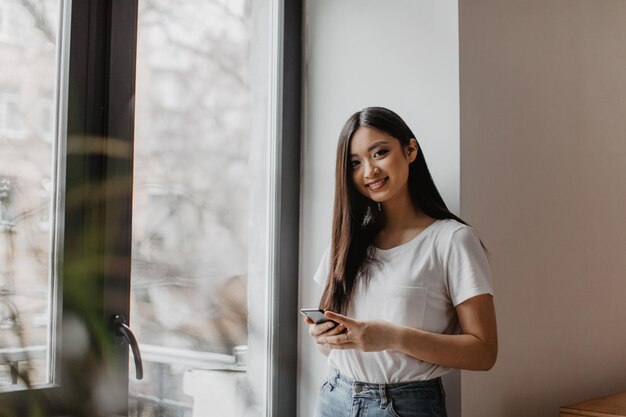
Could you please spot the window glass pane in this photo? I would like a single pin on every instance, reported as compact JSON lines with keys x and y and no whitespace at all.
{"x":200,"y":198}
{"x":28,"y":77}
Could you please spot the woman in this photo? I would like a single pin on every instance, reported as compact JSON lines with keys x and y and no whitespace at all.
{"x":406,"y":282}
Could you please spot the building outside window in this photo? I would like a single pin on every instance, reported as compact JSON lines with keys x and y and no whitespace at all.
{"x":12,"y":124}
{"x":11,"y":23}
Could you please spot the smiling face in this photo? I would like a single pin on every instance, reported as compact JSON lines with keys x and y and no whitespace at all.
{"x":380,"y":164}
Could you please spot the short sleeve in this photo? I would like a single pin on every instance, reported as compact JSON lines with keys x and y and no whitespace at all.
{"x":322,"y":270}
{"x":467,"y":267}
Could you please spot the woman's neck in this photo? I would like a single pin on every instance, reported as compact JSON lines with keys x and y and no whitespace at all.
{"x":402,"y":223}
{"x":401,"y":214}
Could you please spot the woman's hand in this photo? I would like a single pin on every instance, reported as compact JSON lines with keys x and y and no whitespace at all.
{"x":366,"y":336}
{"x":318,"y":331}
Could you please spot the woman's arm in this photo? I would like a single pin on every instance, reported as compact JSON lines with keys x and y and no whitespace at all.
{"x":476,"y":348}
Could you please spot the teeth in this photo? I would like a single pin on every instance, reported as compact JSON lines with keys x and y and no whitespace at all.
{"x":377,"y":183}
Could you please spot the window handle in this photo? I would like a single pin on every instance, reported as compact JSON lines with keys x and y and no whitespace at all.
{"x":122,"y":330}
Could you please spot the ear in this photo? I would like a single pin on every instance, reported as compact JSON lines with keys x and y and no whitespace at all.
{"x":412,"y":149}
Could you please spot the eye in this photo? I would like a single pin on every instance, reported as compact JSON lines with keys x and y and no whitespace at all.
{"x":354,"y":164}
{"x":380,"y":152}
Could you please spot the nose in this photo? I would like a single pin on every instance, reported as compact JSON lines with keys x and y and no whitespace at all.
{"x":371,"y":170}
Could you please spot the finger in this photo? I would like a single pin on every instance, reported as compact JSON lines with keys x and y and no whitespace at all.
{"x":335,"y":330}
{"x":347,"y":321}
{"x":340,"y":339}
{"x":321,"y":328}
{"x":308,"y":321}
{"x":338,"y":329}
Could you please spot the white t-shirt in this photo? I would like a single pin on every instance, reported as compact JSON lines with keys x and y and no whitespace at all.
{"x":416,"y":284}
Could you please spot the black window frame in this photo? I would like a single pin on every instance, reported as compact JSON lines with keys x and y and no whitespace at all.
{"x":283,"y":390}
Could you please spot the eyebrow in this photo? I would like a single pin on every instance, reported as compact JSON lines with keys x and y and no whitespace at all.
{"x":380,"y":142}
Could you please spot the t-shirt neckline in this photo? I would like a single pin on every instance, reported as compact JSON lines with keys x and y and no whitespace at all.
{"x":402,"y":246}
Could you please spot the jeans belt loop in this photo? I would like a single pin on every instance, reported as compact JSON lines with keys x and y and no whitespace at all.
{"x":382,"y":389}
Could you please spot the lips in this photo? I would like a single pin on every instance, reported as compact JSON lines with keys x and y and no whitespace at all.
{"x":375,"y":185}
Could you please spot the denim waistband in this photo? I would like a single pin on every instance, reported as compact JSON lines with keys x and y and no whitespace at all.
{"x":416,"y":389}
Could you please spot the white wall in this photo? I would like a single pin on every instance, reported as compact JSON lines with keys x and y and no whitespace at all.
{"x":401,"y":54}
{"x":543,"y":93}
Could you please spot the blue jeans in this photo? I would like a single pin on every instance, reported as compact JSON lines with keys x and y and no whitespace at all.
{"x":342,"y":397}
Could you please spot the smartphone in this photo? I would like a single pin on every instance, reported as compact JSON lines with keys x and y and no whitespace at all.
{"x":316,"y":315}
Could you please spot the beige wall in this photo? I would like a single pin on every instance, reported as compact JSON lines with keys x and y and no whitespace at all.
{"x":543,"y":178}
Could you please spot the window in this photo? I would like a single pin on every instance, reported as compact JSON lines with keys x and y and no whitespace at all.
{"x":213,"y":214}
{"x":7,"y":185}
{"x":12,"y":124}
{"x":28,"y":189}
{"x":46,"y":118}
{"x":11,"y":23}
{"x":200,"y":184}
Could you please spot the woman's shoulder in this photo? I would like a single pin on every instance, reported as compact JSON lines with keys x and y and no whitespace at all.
{"x":451,"y":226}
{"x":450,"y":230}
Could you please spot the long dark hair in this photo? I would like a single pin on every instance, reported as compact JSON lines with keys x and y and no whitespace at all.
{"x":357,"y":219}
